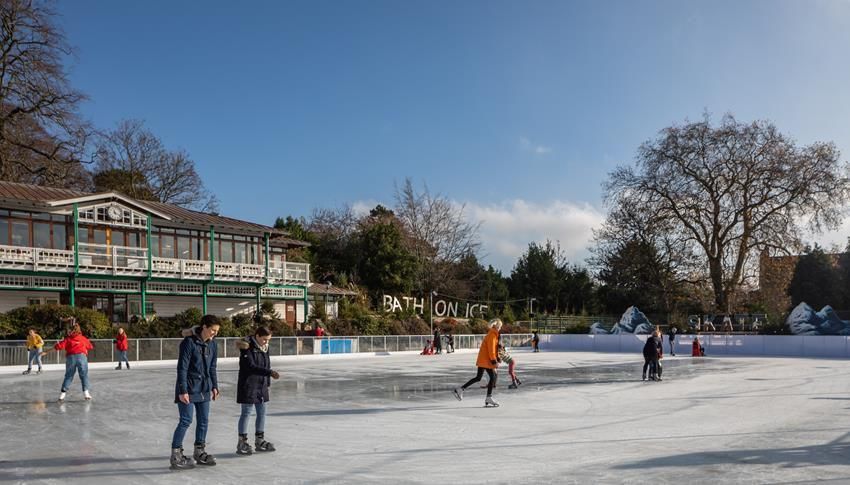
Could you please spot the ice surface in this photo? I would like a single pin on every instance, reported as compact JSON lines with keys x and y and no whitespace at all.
{"x":578,"y":418}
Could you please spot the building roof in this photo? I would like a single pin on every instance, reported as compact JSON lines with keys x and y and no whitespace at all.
{"x":36,"y":196}
{"x":329,"y":290}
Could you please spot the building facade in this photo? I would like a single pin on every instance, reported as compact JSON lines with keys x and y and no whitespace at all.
{"x":130,"y":258}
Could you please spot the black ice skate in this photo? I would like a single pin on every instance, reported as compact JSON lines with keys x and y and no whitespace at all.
{"x":458,"y":392}
{"x":512,"y":386}
{"x":202,"y":457}
{"x":243,"y":448}
{"x":179,"y":461}
{"x":27,"y":371}
{"x":260,"y":444}
{"x":490,"y":403}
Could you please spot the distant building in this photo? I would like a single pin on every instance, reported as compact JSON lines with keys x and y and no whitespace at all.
{"x":126,"y":257}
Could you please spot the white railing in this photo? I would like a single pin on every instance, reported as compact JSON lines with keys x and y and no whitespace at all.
{"x":290,"y":272}
{"x":123,"y":260}
{"x":116,"y":260}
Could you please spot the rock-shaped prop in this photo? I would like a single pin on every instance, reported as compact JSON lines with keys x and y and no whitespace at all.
{"x":804,"y":320}
{"x":632,"y":321}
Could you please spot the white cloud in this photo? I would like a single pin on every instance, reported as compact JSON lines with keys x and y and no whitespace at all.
{"x":538,"y":149}
{"x":508,"y":227}
{"x":362,"y":207}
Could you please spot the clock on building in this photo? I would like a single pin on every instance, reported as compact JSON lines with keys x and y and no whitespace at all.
{"x":114,"y":212}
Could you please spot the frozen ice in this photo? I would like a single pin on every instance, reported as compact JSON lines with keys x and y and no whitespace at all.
{"x":577,"y":418}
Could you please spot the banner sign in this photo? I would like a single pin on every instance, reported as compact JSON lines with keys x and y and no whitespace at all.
{"x":442,"y":308}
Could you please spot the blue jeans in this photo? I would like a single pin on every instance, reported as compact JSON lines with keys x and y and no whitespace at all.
{"x":76,"y":363}
{"x":260,"y":424}
{"x":122,"y":357}
{"x":203,"y":409}
{"x":35,"y":355}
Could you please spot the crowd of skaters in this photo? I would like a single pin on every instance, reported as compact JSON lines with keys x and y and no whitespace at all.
{"x":197,"y":382}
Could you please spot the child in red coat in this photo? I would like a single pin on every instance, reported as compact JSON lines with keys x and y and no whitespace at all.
{"x":121,"y":346}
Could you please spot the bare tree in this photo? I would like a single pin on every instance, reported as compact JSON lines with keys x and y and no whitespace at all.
{"x":134,"y":161}
{"x":42,"y":137}
{"x":441,"y":235}
{"x":723,"y":193}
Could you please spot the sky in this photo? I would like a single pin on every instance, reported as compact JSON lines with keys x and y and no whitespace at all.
{"x":517,"y":111}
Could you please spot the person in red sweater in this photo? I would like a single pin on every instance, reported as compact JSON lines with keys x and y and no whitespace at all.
{"x":122,"y":345}
{"x":76,"y":347}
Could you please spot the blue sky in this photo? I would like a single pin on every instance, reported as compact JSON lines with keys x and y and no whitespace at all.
{"x":516,"y":109}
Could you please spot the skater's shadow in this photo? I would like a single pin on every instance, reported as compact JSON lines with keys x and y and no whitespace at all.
{"x":341,"y":412}
{"x":802,"y":456}
{"x":71,"y":467}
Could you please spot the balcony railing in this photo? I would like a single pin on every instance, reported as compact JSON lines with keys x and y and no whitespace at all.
{"x":129,"y":261}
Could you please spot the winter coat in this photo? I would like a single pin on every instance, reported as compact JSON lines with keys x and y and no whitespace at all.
{"x":121,"y":342}
{"x":196,"y":368}
{"x":255,"y":370}
{"x":488,"y":352}
{"x":34,"y":342}
{"x":74,"y":343}
{"x":672,"y":334}
{"x":650,"y":348}
{"x":505,"y":356}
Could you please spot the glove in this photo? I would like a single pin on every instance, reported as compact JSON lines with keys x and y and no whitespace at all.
{"x":494,"y":362}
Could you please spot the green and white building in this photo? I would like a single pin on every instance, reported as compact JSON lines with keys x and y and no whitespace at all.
{"x":126,"y":257}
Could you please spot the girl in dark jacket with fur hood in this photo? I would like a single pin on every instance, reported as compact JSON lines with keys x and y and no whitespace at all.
{"x":252,"y":390}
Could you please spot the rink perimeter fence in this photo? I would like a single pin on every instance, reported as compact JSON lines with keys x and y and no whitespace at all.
{"x":14,"y":352}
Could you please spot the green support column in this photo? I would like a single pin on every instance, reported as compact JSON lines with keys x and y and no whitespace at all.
{"x":204,"y":293}
{"x":212,"y":258}
{"x":150,"y":249}
{"x":71,"y":289}
{"x":144,"y":300}
{"x":259,"y":293}
{"x":266,"y":254}
{"x":76,"y":241}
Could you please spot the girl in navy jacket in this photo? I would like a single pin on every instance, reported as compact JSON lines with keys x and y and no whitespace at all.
{"x":252,"y":389}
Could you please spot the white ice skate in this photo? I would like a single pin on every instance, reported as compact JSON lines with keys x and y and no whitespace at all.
{"x":490,"y":403}
{"x":87,"y":395}
{"x":62,"y":396}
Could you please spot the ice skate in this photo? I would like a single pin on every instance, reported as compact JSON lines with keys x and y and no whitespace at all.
{"x":458,"y":392}
{"x":87,"y":395}
{"x":242,"y":447}
{"x":119,"y":367}
{"x":128,"y":365}
{"x":512,"y":386}
{"x":202,"y":457}
{"x":179,"y":461}
{"x":489,"y":402}
{"x":62,"y":397}
{"x":38,"y":371}
{"x":27,"y":371}
{"x":260,"y":444}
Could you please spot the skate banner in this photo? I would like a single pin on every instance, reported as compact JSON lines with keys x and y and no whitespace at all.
{"x":442,"y":307}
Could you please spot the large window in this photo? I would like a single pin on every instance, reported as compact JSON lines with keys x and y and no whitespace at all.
{"x":27,"y":229}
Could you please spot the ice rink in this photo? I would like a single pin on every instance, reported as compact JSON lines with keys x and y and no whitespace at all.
{"x":578,"y":418}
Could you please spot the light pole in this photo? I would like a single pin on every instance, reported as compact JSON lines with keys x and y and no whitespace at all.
{"x":431,"y":313}
{"x":531,"y":311}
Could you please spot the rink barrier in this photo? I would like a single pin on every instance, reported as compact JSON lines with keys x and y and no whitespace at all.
{"x":14,"y":352}
{"x":837,"y":346}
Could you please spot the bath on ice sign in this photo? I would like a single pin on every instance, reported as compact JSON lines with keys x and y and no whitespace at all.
{"x":442,"y":308}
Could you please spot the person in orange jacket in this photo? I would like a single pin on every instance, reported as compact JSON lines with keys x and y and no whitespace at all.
{"x":488,"y":361}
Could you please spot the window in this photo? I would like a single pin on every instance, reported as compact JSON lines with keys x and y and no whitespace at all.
{"x":60,"y":236}
{"x":33,"y":300}
{"x":184,"y":248}
{"x":4,"y":231}
{"x":20,"y":233}
{"x":41,"y":234}
{"x":155,"y":245}
{"x":226,"y":251}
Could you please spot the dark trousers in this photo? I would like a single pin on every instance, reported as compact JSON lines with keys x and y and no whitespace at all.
{"x":654,"y":366}
{"x":491,"y":375}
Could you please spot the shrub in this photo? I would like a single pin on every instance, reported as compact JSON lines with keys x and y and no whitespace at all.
{"x":45,"y":319}
{"x":577,"y":329}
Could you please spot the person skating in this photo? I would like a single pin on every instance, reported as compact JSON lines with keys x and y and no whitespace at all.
{"x":650,"y":355}
{"x":438,"y":341}
{"x":671,"y":335}
{"x":487,"y":362}
{"x":34,"y":347}
{"x":197,"y":385}
{"x":535,"y":342}
{"x":76,"y":347}
{"x":507,"y":358}
{"x":121,"y":346}
{"x":252,"y":389}
{"x":450,"y":343}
